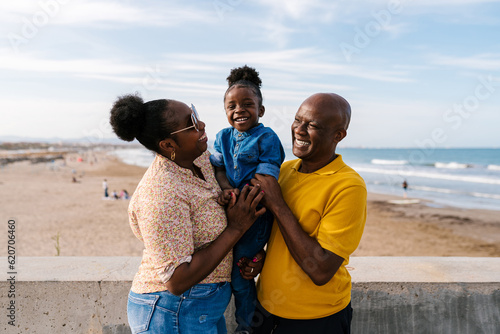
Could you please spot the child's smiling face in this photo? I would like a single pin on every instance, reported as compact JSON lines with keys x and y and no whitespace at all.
{"x":243,"y":109}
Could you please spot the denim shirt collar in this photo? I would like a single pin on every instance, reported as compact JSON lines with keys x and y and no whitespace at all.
{"x":238,"y":136}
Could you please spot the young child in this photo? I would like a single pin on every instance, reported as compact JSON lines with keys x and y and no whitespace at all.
{"x":241,"y":151}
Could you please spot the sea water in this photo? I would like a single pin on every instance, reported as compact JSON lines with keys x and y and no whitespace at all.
{"x":464,"y":178}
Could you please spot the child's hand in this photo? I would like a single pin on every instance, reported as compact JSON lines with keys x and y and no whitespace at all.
{"x":249,"y":269}
{"x":225,"y":196}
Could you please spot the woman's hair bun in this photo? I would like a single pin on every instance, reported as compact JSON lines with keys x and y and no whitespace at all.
{"x":127,"y":116}
{"x":244,"y":73}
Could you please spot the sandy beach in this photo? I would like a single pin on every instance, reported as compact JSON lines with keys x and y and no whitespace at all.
{"x":55,"y":215}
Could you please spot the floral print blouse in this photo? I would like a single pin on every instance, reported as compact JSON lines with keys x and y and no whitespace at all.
{"x":175,"y":214}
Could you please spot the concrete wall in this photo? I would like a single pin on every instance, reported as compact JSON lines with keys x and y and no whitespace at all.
{"x":390,"y":295}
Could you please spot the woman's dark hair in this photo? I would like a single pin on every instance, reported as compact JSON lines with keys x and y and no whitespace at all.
{"x":149,"y":122}
{"x":245,"y":76}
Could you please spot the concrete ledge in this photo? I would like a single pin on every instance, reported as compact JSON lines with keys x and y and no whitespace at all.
{"x":390,"y":295}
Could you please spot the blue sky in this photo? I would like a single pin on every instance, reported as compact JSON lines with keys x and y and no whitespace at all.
{"x":417,"y":73}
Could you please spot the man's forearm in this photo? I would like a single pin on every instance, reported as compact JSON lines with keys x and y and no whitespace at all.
{"x":319,"y":264}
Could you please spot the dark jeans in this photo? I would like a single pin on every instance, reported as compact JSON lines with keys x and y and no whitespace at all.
{"x":245,"y":295}
{"x":267,"y":323}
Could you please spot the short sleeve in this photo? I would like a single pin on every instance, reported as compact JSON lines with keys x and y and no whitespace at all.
{"x":217,"y":159}
{"x":166,"y":230}
{"x":271,"y":155}
{"x":342,"y":224}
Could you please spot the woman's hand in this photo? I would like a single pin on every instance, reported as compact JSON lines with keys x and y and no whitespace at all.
{"x":249,"y":269}
{"x":242,"y":211}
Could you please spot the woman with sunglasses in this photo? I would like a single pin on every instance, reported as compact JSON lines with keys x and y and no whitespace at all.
{"x":182,"y":283}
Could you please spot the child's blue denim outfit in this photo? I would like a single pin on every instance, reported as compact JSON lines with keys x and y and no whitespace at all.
{"x":243,"y":154}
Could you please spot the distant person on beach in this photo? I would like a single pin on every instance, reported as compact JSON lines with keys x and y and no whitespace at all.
{"x":124,"y":194}
{"x":245,"y":148}
{"x":182,"y":285}
{"x":319,"y":205}
{"x":105,"y":187}
{"x":405,"y":188}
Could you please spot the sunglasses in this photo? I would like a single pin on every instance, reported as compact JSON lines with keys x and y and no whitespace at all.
{"x":194,"y":119}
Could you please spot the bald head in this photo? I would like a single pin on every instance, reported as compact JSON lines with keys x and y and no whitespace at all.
{"x":333,"y":104}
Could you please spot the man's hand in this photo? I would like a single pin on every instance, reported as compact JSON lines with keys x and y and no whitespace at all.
{"x":271,"y":188}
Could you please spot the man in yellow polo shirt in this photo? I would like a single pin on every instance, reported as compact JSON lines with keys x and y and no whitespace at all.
{"x":320,"y":213}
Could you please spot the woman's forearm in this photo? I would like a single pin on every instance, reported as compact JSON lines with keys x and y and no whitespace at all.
{"x":203,"y":262}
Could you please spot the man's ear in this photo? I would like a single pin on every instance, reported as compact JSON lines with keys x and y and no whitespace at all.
{"x":339,"y":135}
{"x":262,"y":110}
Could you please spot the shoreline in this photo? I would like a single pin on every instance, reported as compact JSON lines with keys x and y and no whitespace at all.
{"x":53,"y":213}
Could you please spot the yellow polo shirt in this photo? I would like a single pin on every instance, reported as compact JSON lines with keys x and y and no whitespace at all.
{"x":330,"y":205}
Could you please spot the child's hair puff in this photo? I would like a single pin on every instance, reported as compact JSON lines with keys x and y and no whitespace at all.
{"x":245,"y":76}
{"x":244,"y":73}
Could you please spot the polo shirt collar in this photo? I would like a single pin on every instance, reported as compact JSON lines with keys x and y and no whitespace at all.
{"x":331,"y":168}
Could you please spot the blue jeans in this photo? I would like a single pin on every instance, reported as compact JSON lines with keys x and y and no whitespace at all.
{"x":245,"y":295}
{"x":198,"y":310}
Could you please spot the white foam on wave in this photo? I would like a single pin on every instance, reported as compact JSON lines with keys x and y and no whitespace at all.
{"x":451,"y":165}
{"x":493,"y":167}
{"x":389,"y":162}
{"x":463,"y":178}
{"x":483,"y":195}
{"x":453,"y":191}
{"x":438,"y":190}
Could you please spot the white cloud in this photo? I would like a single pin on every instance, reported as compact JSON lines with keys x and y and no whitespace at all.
{"x":397,"y":29}
{"x":302,"y":10}
{"x":307,"y":61}
{"x":31,"y":63}
{"x":277,"y":33}
{"x":486,"y":61}
{"x":418,"y":3}
{"x":103,"y":13}
{"x":296,"y":62}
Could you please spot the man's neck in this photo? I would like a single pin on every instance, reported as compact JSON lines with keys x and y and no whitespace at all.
{"x":311,"y":167}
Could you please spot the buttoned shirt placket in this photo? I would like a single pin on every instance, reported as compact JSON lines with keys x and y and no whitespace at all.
{"x":239,"y":138}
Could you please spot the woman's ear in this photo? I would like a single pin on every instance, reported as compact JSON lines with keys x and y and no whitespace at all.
{"x":167,"y":146}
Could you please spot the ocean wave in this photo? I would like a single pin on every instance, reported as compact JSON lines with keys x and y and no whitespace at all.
{"x":454,"y":191}
{"x":437,"y":190}
{"x":443,"y":176}
{"x":134,"y":156}
{"x":493,"y":167}
{"x":389,"y":162}
{"x":482,"y":195}
{"x":451,"y":165}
